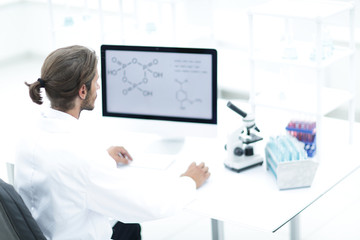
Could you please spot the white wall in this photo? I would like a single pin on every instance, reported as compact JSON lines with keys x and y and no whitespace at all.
{"x":26,"y":29}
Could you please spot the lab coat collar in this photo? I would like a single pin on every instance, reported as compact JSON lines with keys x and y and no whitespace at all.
{"x":57,"y":121}
{"x":56,"y":114}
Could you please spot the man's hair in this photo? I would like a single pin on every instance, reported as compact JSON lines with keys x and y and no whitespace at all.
{"x":63,"y":73}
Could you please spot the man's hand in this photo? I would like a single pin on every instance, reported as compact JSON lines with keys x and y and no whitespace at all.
{"x":119,"y":154}
{"x":199,"y":173}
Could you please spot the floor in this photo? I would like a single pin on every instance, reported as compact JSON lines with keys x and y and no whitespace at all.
{"x":334,"y":216}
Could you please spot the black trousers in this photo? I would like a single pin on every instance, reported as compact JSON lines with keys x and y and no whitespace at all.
{"x":126,"y":231}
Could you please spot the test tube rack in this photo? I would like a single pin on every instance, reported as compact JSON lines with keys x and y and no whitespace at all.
{"x":291,"y":174}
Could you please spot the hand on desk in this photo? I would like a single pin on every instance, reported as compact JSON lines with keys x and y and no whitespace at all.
{"x":199,"y":173}
{"x":119,"y":154}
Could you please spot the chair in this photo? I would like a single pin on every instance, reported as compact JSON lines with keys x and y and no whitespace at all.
{"x":16,"y":221}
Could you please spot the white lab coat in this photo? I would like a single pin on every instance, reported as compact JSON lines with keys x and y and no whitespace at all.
{"x":72,"y":187}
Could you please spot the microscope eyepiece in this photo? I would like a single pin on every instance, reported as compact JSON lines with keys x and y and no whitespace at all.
{"x":236,"y":109}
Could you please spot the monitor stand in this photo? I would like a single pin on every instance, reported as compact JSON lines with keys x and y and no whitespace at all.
{"x":166,"y":145}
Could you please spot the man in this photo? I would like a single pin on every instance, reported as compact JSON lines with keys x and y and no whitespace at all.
{"x":71,"y":187}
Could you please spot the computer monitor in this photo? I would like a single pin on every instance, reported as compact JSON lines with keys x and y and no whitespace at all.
{"x":171,"y":92}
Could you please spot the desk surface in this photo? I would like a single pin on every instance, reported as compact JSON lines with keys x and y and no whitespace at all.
{"x":251,"y":198}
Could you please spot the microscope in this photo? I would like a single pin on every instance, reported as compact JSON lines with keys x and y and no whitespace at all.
{"x":240,"y":144}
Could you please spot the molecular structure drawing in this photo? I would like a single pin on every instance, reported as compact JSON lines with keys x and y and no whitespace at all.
{"x":182,"y":95}
{"x":132,"y":83}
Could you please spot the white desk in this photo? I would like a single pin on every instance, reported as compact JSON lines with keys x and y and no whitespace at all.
{"x":251,"y":198}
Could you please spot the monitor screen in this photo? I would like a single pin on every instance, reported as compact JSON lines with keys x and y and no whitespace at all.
{"x":159,"y":83}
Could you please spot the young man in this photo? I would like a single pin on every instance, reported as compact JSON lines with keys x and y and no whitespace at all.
{"x":71,"y":186}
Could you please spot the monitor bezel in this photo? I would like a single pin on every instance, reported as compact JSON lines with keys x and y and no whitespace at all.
{"x":209,"y":51}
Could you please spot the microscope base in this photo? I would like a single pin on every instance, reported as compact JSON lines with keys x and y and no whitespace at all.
{"x":248,"y":162}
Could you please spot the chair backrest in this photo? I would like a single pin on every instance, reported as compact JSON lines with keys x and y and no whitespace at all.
{"x":16,"y":221}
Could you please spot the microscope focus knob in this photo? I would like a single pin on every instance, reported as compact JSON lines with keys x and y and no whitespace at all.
{"x":249,"y":151}
{"x":238,"y":151}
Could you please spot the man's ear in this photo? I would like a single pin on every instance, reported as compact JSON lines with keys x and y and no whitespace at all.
{"x":83,"y":92}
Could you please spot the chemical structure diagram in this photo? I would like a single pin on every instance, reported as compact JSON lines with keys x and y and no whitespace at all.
{"x":135,"y":85}
{"x":182,"y":95}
